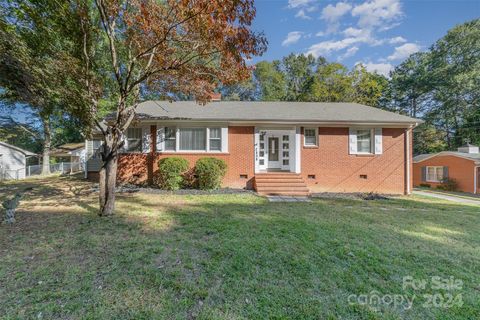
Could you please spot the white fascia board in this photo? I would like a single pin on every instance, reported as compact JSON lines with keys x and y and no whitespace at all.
{"x":206,"y":122}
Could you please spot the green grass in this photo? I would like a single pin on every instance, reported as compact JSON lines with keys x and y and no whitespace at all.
{"x":230,"y":256}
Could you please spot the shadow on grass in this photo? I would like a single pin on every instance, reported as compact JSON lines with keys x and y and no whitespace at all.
{"x":229,"y":256}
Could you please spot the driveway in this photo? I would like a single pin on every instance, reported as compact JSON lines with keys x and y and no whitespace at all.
{"x":448,"y":197}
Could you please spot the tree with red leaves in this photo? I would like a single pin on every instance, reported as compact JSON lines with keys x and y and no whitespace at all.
{"x":187,"y":46}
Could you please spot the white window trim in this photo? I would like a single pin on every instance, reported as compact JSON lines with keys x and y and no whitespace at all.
{"x":372,"y":141}
{"x":435,"y":174}
{"x":125,"y":147}
{"x":192,"y":151}
{"x":316,"y":137}
{"x":223,"y":139}
{"x":164,"y":145}
{"x":208,"y":139}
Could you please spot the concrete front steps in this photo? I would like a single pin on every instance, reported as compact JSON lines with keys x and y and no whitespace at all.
{"x":280,"y":184}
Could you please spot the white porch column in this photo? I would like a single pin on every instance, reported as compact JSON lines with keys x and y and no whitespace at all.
{"x":298,"y":146}
{"x":255,"y":149}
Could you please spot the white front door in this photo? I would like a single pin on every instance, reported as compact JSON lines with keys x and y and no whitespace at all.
{"x":273,"y":152}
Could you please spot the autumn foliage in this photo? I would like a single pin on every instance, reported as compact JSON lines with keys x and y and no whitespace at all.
{"x":165,"y":47}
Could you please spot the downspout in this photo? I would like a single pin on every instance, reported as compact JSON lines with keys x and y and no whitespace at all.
{"x":475,"y":174}
{"x":407,"y":160}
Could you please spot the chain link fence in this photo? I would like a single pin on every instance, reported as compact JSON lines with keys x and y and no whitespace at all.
{"x":36,"y":170}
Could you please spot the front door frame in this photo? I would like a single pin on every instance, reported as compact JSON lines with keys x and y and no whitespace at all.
{"x":272,"y":142}
{"x":287,"y":138}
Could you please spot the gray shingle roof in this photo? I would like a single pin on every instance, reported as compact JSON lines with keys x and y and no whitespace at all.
{"x":470,"y":156}
{"x":269,"y":112}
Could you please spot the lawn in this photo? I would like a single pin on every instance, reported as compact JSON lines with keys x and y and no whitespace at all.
{"x":233,"y":257}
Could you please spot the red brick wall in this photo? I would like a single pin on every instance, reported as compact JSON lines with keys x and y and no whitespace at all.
{"x":139,"y":168}
{"x":459,"y":169}
{"x":336,"y":170}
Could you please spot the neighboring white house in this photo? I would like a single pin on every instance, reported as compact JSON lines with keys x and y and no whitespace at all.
{"x":13,"y":161}
{"x":74,"y":151}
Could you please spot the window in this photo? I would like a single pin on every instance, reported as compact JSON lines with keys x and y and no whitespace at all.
{"x":364,"y":141}
{"x":310,"y":137}
{"x":134,"y":139}
{"x":215,"y":139}
{"x":96,"y":144}
{"x":434,"y":174}
{"x":193,"y":139}
{"x":170,"y":139}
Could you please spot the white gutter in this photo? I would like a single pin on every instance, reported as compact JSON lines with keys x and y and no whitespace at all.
{"x":265,"y":122}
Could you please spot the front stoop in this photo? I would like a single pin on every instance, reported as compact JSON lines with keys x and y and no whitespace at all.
{"x":280,"y":184}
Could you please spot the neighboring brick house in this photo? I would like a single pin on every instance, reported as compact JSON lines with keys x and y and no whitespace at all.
{"x":461,"y":165}
{"x":274,"y":147}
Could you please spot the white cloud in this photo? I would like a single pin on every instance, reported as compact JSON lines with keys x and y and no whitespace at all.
{"x":333,"y":13}
{"x":397,"y":40}
{"x":292,"y":37}
{"x":324,"y":48}
{"x":377,"y":13}
{"x":320,"y":34}
{"x":298,"y":3}
{"x":302,"y":15}
{"x":349,"y":53}
{"x":354,"y":32}
{"x":404,"y":51}
{"x":380,"y":68}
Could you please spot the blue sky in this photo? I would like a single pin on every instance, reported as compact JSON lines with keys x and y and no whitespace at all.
{"x":378,"y":33}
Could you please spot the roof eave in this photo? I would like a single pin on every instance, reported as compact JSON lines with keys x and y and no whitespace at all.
{"x":284,"y":121}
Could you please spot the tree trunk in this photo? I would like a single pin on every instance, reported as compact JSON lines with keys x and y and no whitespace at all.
{"x":46,"y":146}
{"x":10,"y":216}
{"x":108,"y":181}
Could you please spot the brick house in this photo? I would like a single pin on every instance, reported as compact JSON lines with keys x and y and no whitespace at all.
{"x":273,"y":147}
{"x":461,"y":165}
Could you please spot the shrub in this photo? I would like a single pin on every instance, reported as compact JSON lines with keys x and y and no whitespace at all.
{"x":170,"y":172}
{"x":425,"y":185}
{"x":210,"y":172}
{"x":449,"y":184}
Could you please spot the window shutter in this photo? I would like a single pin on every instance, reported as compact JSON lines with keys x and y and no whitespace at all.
{"x":224,"y":136}
{"x":378,"y":141}
{"x":146,"y":139}
{"x":160,"y":138}
{"x":352,"y":149}
{"x":445,"y":172}
{"x":424,"y":174}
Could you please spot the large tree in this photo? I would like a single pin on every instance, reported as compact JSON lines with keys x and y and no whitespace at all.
{"x":271,"y":80}
{"x":299,"y":70}
{"x":331,"y":82}
{"x":409,"y":85}
{"x":162,"y":46}
{"x":455,"y":79}
{"x":34,"y":40}
{"x":442,"y":86}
